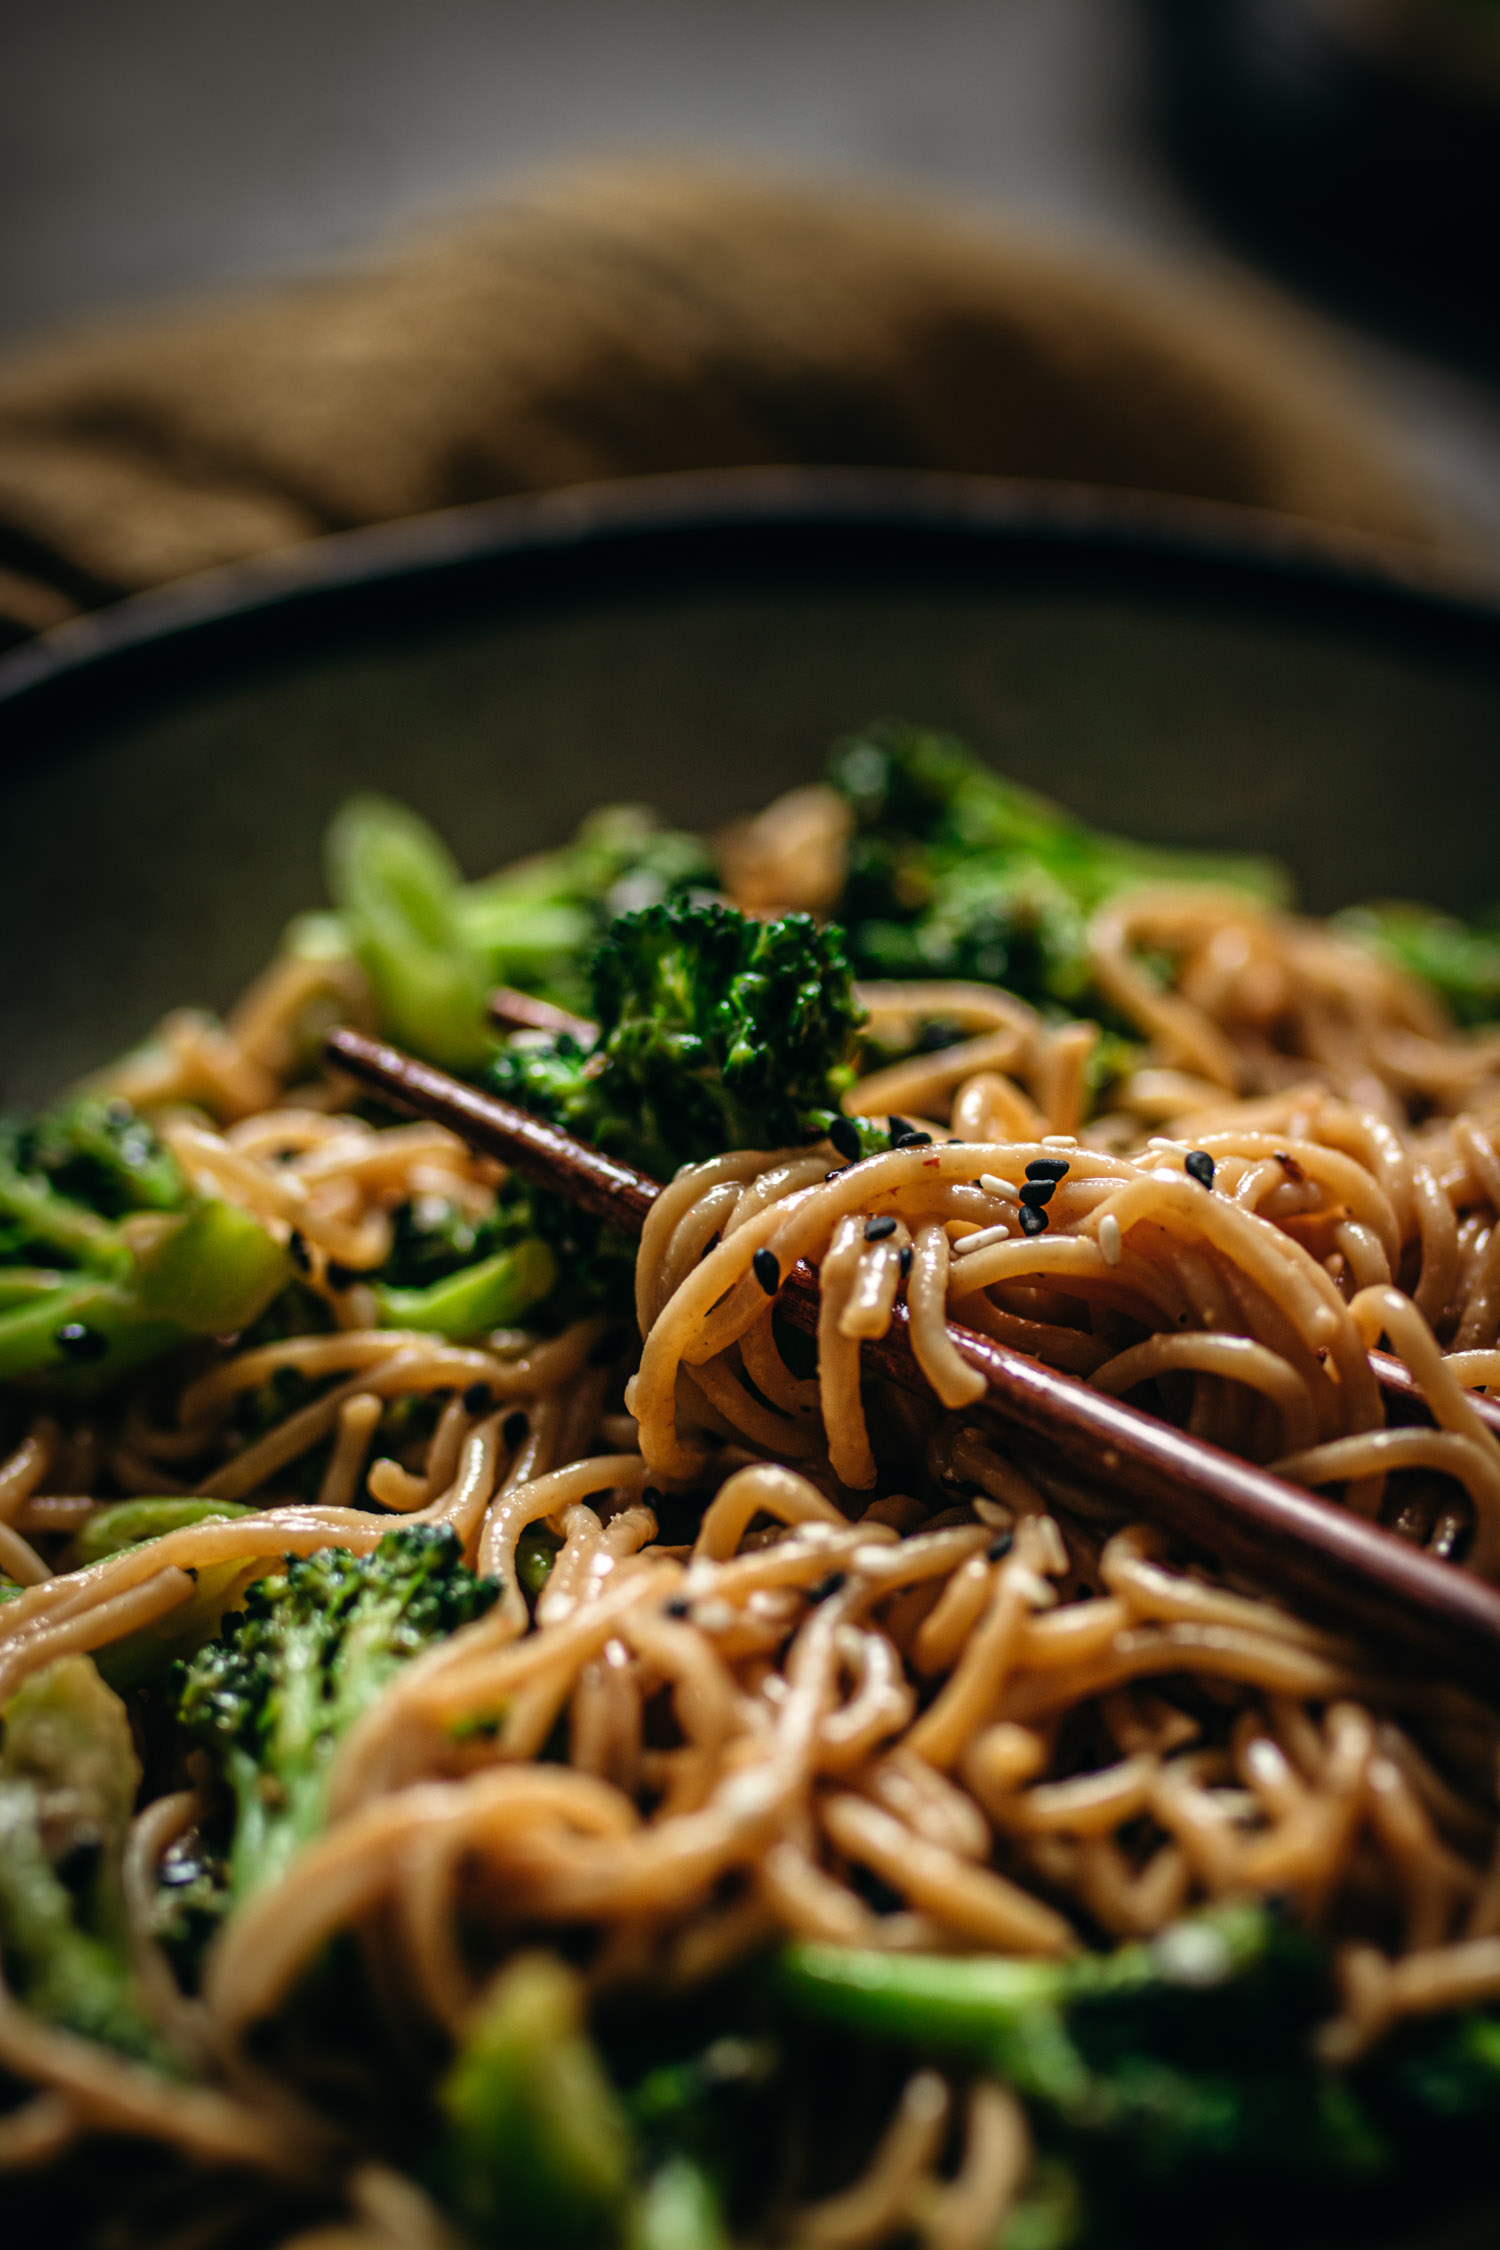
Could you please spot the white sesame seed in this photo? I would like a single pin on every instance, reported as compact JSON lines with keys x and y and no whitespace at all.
{"x":982,"y":1240}
{"x":992,"y":1184}
{"x":1111,"y":1242}
{"x":1059,"y":1140}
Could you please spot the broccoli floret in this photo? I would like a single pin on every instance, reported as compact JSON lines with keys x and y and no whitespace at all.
{"x":106,"y":1258}
{"x":1168,"y":2070}
{"x":1164,"y":2060}
{"x":68,"y":1780}
{"x":715,"y":1032}
{"x":276,"y":1693}
{"x":99,"y":1152}
{"x":954,"y":872}
{"x":1460,"y":962}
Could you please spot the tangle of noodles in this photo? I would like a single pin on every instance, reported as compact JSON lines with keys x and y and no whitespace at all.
{"x":811,"y":1661}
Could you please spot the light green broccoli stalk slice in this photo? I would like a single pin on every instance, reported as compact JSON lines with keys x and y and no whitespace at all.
{"x":397,"y":886}
{"x":538,"y":2153}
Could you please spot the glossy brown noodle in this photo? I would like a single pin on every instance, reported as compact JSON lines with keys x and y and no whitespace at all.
{"x":1017,"y":1713}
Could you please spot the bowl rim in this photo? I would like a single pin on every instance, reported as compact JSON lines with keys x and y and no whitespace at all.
{"x":995,"y":520}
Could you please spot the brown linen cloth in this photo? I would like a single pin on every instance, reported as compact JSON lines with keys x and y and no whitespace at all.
{"x":628,"y":320}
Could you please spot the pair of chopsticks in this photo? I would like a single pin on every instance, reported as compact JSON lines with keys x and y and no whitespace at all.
{"x":1287,"y":1539}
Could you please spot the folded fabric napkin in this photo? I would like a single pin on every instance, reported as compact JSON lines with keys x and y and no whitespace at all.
{"x":632,"y":320}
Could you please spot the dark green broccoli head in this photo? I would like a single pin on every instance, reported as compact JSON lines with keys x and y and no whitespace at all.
{"x":314,"y":1646}
{"x":100,"y":1152}
{"x":955,"y":872}
{"x":715,"y":1032}
{"x":1460,"y":962}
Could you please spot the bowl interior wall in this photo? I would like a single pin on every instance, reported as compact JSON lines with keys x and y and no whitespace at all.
{"x":154,"y":851}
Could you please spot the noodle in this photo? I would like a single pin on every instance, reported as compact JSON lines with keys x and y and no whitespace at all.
{"x":775,"y":1656}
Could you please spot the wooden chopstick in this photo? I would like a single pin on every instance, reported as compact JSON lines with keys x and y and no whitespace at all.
{"x":1289,"y":1540}
{"x":522,"y":1011}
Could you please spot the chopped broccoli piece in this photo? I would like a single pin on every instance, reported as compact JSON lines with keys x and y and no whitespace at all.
{"x":100,"y":1152}
{"x":398,"y":887}
{"x":432,"y":945}
{"x":125,"y":1523}
{"x":106,"y":1259}
{"x":1164,"y":2070}
{"x":1460,"y":962}
{"x":495,"y":1293}
{"x":954,"y":872}
{"x":715,"y":1032}
{"x":276,"y":1693}
{"x":68,"y":1780}
{"x":1190,"y":2052}
{"x":538,"y":2151}
{"x":432,"y":1237}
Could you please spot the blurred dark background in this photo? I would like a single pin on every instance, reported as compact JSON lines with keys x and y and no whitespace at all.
{"x":153,"y":150}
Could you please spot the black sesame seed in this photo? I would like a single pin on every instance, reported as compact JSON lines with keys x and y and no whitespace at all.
{"x":1199,"y":1166}
{"x":678,"y":1606}
{"x":1000,"y":1546}
{"x":296,"y":1250}
{"x":905,"y":1260}
{"x":80,"y":1344}
{"x":876,"y":1230}
{"x":767,"y":1271}
{"x":836,"y":1174}
{"x":832,"y":1584}
{"x":1036,"y":1194}
{"x":478,"y":1398}
{"x":514,"y":1427}
{"x":340,"y":1277}
{"x":1033,"y":1221}
{"x":896,"y":1126}
{"x":1047,"y":1168}
{"x":910,"y":1139}
{"x":844,"y":1134}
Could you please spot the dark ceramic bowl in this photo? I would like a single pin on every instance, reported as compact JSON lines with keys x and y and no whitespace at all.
{"x":1182,"y":674}
{"x":1179,"y":673}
